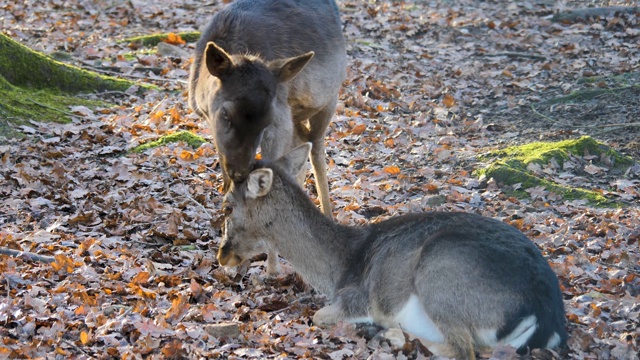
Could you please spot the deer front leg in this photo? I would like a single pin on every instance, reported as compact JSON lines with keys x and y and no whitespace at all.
{"x":320,"y":172}
{"x":272,"y":263}
{"x":318,"y":127}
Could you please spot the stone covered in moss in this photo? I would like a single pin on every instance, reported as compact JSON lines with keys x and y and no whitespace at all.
{"x":542,"y":152}
{"x":191,"y":139}
{"x":510,"y":166}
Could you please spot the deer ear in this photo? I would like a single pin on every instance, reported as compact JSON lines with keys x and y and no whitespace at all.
{"x":259,"y":183}
{"x":287,"y":69}
{"x":296,"y":160}
{"x":217,"y":60}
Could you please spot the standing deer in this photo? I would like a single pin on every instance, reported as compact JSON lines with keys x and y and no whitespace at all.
{"x":459,"y":282}
{"x":266,"y":74}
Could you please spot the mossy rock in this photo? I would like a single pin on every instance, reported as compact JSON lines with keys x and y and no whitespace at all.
{"x":191,"y":139}
{"x":510,"y":167}
{"x":155,"y":39}
{"x":542,"y":152}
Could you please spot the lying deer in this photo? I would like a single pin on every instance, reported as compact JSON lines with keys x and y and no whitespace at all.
{"x":459,"y":282}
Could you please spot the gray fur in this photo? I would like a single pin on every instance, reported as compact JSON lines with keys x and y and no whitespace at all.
{"x":267,"y":73}
{"x":475,"y":277}
{"x":258,"y":37}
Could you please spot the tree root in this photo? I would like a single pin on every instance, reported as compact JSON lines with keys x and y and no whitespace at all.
{"x":26,"y":255}
{"x":516,"y":55}
{"x":575,"y":15}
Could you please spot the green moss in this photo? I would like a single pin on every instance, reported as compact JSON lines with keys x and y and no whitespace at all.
{"x":509,"y":166}
{"x":503,"y":173}
{"x":20,"y":105}
{"x":37,"y":87}
{"x":625,"y":79}
{"x":191,"y":139}
{"x":542,"y":152}
{"x":130,"y":56}
{"x":153,"y":40}
{"x":26,"y":68}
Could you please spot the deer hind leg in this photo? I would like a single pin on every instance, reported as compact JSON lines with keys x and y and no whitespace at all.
{"x":318,"y":124}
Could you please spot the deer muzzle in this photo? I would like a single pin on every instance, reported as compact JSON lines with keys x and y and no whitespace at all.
{"x":227,"y":257}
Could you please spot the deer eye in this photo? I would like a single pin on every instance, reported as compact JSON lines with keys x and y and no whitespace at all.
{"x":224,"y":116}
{"x":227,"y":209}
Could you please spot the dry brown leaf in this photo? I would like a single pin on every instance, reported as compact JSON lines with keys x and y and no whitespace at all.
{"x":174,"y":39}
{"x":393,"y":170}
{"x":448,"y":100}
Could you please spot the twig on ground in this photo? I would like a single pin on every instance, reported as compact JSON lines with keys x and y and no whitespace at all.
{"x":608,"y":125}
{"x":76,"y":348}
{"x":576,"y":14}
{"x":118,"y":69}
{"x":535,"y":111}
{"x":113,"y":92}
{"x":131,"y":76}
{"x":147,"y":243}
{"x":291,"y":304}
{"x":515,"y":54}
{"x":187,"y":196}
{"x":27,"y":255}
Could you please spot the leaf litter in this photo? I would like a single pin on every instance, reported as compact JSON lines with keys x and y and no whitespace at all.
{"x":431,"y":87}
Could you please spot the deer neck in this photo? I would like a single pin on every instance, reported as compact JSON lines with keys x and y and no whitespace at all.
{"x":317,"y":248}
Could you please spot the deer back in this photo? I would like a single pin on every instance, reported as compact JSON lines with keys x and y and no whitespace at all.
{"x":468,"y":274}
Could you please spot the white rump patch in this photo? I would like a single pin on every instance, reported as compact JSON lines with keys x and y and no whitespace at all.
{"x":521,"y":334}
{"x":413,"y":319}
{"x":486,"y":337}
{"x":361,"y":320}
{"x":554,"y":341}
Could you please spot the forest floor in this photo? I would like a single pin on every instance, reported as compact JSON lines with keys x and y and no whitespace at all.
{"x":120,"y":246}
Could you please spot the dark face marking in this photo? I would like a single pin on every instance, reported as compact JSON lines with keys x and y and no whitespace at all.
{"x":241,"y":111}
